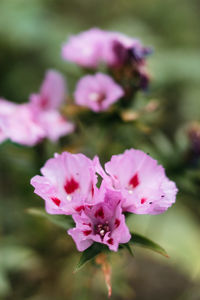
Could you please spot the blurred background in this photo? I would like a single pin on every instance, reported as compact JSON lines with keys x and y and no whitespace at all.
{"x":37,"y":258}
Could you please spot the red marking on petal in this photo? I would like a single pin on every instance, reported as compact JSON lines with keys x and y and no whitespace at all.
{"x":88,"y":224}
{"x":56,"y":201}
{"x":44,"y":102}
{"x":134,"y":181}
{"x":117,"y":223}
{"x":89,"y":206}
{"x":71,"y":186}
{"x":87,"y":232}
{"x":110,"y":241}
{"x":99,"y":213}
{"x":92,"y":190}
{"x":79,"y":208}
{"x":143,"y":200}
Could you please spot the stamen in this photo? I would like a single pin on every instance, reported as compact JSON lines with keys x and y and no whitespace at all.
{"x":69,"y":198}
{"x":97,"y":97}
{"x":94,"y":97}
{"x":102,"y":229}
{"x":102,"y":232}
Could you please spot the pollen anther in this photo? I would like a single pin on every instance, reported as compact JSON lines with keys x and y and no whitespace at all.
{"x":69,"y":198}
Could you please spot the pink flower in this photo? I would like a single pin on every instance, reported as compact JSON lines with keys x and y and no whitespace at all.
{"x":28,"y":124}
{"x":97,"y":92}
{"x":133,"y":182}
{"x":94,"y":46}
{"x":90,"y":48}
{"x":68,"y":183}
{"x":121,"y":49}
{"x":45,"y":106}
{"x":3,"y":137}
{"x":117,"y":44}
{"x":18,"y":125}
{"x":127,"y":54}
{"x":142,"y":182}
{"x":54,"y":124}
{"x":103,"y":223}
{"x":6,"y":108}
{"x":52,"y":92}
{"x":85,"y":49}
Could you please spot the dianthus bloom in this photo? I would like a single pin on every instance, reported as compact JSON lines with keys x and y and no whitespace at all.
{"x":17,"y":124}
{"x":97,"y":92}
{"x":142,"y":182}
{"x":85,"y":49}
{"x":103,"y":223}
{"x":124,"y":55}
{"x":68,"y":183}
{"x":95,"y":46}
{"x":133,"y":182}
{"x":6,"y":108}
{"x":45,"y":106}
{"x":29,"y":123}
{"x":121,"y":49}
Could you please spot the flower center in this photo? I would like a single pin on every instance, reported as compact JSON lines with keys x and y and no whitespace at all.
{"x":97,"y":97}
{"x":102,"y":229}
{"x":94,"y":97}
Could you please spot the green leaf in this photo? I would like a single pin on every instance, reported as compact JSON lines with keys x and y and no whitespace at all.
{"x":62,"y":221}
{"x":137,"y":239}
{"x":89,"y":254}
{"x":127,"y":246}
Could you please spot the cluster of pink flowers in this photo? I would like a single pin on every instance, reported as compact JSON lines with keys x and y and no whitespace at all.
{"x":131,"y":182}
{"x":90,"y":48}
{"x":29,"y":123}
{"x":120,"y":53}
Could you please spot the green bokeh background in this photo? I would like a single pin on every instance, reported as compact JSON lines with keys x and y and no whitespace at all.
{"x":37,"y":259}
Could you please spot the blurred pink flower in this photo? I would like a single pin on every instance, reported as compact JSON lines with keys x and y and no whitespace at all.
{"x":68,"y":183}
{"x":97,"y":92}
{"x":18,"y":125}
{"x":85,"y":49}
{"x":29,"y":123}
{"x":116,"y":50}
{"x":3,"y":136}
{"x":95,"y":46}
{"x":121,"y":49}
{"x":45,"y":106}
{"x":142,"y":182}
{"x":6,"y":108}
{"x":103,"y":223}
{"x":52,"y":92}
{"x":54,"y":124}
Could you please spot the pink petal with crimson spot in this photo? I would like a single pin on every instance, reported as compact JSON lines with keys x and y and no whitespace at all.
{"x":117,"y":223}
{"x":143,"y":200}
{"x":110,"y":241}
{"x":99,"y":213}
{"x":56,"y":201}
{"x":79,"y":208}
{"x":71,"y":186}
{"x":87,"y":232}
{"x":139,"y":177}
{"x":134,"y":181}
